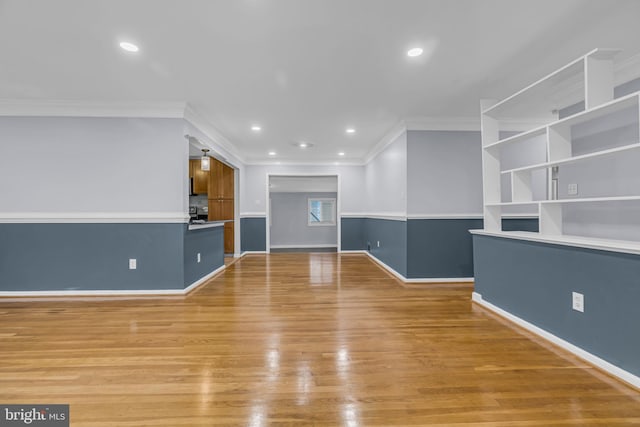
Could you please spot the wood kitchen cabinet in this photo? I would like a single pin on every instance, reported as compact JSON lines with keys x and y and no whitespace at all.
{"x":221,"y":210}
{"x":200,"y":178}
{"x":221,"y":200}
{"x":221,"y":181}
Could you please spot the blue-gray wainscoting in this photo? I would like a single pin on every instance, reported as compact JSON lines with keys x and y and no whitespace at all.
{"x":440,"y":248}
{"x":209,"y":243}
{"x":443,"y":247}
{"x":534,"y":282}
{"x":253,"y":234}
{"x":422,"y":248}
{"x":392,"y":235}
{"x":352,"y":234}
{"x":85,"y":257}
{"x":363,"y":234}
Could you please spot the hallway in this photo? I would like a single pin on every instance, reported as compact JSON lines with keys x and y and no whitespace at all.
{"x":298,"y":339}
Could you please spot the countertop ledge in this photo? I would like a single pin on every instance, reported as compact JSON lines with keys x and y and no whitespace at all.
{"x":623,"y":246}
{"x":206,"y":225}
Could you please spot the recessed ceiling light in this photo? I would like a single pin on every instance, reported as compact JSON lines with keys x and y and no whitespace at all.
{"x":256,"y":128}
{"x":351,"y":130}
{"x":272,"y":153}
{"x":341,"y":153}
{"x":129,"y":47}
{"x":302,"y":144}
{"x":416,"y":51}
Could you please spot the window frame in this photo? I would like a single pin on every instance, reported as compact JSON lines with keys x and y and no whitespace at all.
{"x":334,"y":214}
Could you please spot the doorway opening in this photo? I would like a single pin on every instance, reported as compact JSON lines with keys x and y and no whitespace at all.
{"x":212,"y":195}
{"x":303,"y":213}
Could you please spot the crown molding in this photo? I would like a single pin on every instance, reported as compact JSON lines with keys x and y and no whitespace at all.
{"x":70,"y":108}
{"x":210,"y":131}
{"x":386,"y":140}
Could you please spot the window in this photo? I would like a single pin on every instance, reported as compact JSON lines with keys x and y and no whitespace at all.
{"x":322,"y":211}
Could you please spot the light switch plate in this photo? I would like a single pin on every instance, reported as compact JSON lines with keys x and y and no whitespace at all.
{"x":572,"y":189}
{"x":133,"y":264}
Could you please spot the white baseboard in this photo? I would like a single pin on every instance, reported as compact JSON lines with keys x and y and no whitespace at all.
{"x":302,"y":246}
{"x":385,"y":266}
{"x":617,"y":372}
{"x":91,"y":293}
{"x":416,"y":280}
{"x":252,"y":253}
{"x":441,"y":280}
{"x":111,"y":293}
{"x":363,"y":252}
{"x":203,"y":279}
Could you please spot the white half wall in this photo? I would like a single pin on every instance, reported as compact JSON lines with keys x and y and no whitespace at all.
{"x":86,"y":165}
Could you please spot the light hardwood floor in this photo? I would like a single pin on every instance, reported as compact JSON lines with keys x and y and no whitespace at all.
{"x":298,"y":339}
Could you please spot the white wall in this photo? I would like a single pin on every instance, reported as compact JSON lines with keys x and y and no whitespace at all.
{"x":386,"y":180}
{"x":76,"y":165}
{"x":444,"y":172}
{"x":253,"y":185}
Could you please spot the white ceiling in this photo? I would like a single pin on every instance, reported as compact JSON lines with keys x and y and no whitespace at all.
{"x":304,"y":70}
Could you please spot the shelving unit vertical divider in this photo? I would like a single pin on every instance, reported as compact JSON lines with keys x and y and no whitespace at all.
{"x":598,"y":80}
{"x":491,"y":192}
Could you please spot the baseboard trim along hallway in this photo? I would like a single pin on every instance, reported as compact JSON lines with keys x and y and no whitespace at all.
{"x":411,"y":280}
{"x":113,"y":293}
{"x":609,"y":368}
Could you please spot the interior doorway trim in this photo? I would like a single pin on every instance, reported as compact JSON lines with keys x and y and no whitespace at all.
{"x":306,"y":175}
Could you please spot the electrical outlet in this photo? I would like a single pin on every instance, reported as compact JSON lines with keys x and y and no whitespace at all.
{"x":198,"y":256}
{"x":133,"y":264}
{"x":572,"y":189}
{"x":578,"y":301}
{"x":378,"y":243}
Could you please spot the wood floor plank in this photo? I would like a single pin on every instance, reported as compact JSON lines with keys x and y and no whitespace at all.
{"x":298,"y":339}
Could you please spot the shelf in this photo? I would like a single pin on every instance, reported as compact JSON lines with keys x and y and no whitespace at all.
{"x":623,"y":246}
{"x":529,"y":203}
{"x":541,"y":130}
{"x":573,"y":159}
{"x":563,"y":201}
{"x":533,"y":100}
{"x":592,"y":200}
{"x":610,"y":107}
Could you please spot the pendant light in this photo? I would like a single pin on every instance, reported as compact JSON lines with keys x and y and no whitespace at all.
{"x":205,"y":161}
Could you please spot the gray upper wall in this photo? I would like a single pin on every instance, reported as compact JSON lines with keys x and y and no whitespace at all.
{"x":444,"y":172}
{"x":386,"y":180}
{"x":289,"y":226}
{"x":82,"y":165}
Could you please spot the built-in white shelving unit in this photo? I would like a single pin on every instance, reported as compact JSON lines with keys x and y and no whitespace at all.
{"x":590,"y":79}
